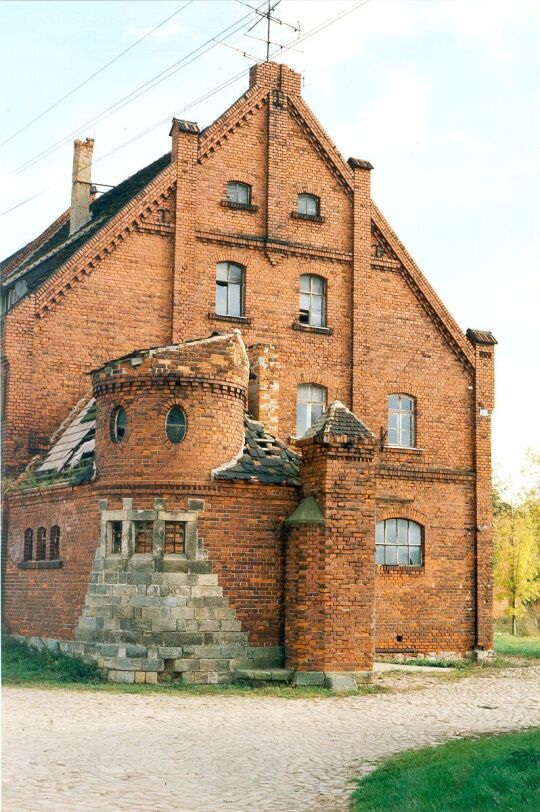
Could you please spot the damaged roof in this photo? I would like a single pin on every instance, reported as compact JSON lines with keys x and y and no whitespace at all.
{"x":338,"y":421}
{"x":264,"y":459}
{"x":71,"y":459}
{"x":52,"y":253}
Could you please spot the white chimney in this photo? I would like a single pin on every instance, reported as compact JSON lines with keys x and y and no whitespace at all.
{"x":81,"y":184}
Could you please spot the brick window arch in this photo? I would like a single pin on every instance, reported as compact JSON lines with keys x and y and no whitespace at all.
{"x":54,"y":543}
{"x":310,"y":404}
{"x":312,"y":300}
{"x":28,"y":546}
{"x":41,"y":544}
{"x":398,"y":542}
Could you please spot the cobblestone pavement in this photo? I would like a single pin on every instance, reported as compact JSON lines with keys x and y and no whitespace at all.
{"x":92,"y":751}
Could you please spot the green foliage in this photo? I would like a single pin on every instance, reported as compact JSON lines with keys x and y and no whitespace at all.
{"x":517,"y":646}
{"x":500,"y":772}
{"x":22,"y":664}
{"x":460,"y":664}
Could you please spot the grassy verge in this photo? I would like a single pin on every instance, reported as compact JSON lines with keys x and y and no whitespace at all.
{"x":499,"y":772}
{"x":421,"y":661}
{"x":517,"y":646}
{"x":25,"y":666}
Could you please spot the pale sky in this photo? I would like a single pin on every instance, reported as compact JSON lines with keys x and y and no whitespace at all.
{"x":440,"y":95}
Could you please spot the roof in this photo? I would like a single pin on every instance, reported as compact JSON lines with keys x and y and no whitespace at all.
{"x":52,"y":253}
{"x":71,"y":460}
{"x":338,"y":421}
{"x":480,"y":336}
{"x":264,"y":459}
{"x":307,"y":512}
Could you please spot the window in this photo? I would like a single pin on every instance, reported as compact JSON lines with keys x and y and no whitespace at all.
{"x":116,"y":538}
{"x":307,"y":205}
{"x":28,"y":548}
{"x":144,"y":537}
{"x":401,"y":420}
{"x":312,"y":300}
{"x":41,"y":550}
{"x":310,"y":404}
{"x":239,"y":193}
{"x":119,"y":423}
{"x":175,"y":424}
{"x":398,"y":542}
{"x":229,"y":289}
{"x":55,"y":543}
{"x":174,"y":538}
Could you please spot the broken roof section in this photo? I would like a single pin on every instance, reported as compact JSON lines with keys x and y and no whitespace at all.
{"x":50,"y":254}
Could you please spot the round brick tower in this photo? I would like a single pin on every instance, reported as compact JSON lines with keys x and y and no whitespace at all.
{"x":171,"y":414}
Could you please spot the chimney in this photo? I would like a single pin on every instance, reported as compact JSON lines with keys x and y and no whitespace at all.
{"x":81,"y":184}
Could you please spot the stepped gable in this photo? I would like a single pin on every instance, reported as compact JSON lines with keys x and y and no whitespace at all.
{"x":338,"y":421}
{"x":264,"y":459}
{"x":51,"y":254}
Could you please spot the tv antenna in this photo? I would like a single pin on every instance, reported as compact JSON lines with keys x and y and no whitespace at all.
{"x":270,"y":18}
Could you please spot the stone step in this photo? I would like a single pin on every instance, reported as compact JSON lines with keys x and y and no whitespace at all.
{"x":256,"y":675}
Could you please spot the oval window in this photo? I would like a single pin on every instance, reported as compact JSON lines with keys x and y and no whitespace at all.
{"x":175,"y":424}
{"x":119,"y":425}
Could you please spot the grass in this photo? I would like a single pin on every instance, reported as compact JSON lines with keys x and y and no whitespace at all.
{"x":517,"y":646}
{"x":499,"y":772}
{"x":460,"y":664}
{"x":23,"y":665}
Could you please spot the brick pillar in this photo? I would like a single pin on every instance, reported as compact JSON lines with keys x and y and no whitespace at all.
{"x":263,"y":401}
{"x":330,"y":575}
{"x":185,"y":143}
{"x":361,"y":287}
{"x":484,"y":401}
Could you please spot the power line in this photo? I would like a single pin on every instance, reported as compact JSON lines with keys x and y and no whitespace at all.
{"x":93,"y":75}
{"x":310,"y":33}
{"x":186,"y":60}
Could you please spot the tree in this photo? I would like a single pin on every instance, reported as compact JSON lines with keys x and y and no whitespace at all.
{"x":517,"y":555}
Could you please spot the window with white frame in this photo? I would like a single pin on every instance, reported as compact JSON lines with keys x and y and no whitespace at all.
{"x":401,"y":419}
{"x":312,"y":300}
{"x":307,"y":205}
{"x":310,"y":404}
{"x":229,"y":289}
{"x":239,"y":193}
{"x":398,"y":542}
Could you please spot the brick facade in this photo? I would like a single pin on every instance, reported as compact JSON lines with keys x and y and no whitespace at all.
{"x":147,"y":278}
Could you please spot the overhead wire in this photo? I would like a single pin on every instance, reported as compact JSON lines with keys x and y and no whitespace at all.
{"x":311,"y":32}
{"x":96,"y":73}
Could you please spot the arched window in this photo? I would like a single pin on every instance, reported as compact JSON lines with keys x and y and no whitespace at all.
{"x":310,"y":404}
{"x":312,"y":300}
{"x":54,"y":543}
{"x":308,"y":205}
{"x":401,"y":428}
{"x":41,"y":548}
{"x":238,"y":192}
{"x":28,"y":548}
{"x":398,"y":542}
{"x":119,"y":421}
{"x":229,"y":289}
{"x":175,"y":424}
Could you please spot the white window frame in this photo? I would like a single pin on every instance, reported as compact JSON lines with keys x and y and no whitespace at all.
{"x":403,"y":416}
{"x":399,"y":542}
{"x":314,"y":398}
{"x":307,"y":297}
{"x":228,"y":283}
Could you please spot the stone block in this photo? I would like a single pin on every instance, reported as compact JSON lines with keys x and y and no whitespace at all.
{"x":142,"y":564}
{"x":138,"y":578}
{"x":201,"y":567}
{"x":215,"y":665}
{"x":182,"y":665}
{"x":152,"y":665}
{"x":169,"y":652}
{"x":308,"y":678}
{"x":230,"y":626}
{"x":140,"y":676}
{"x":122,"y":663}
{"x":164,"y":625}
{"x":174,"y":565}
{"x":340,"y":682}
{"x":134,"y":650}
{"x":209,"y":625}
{"x":121,"y":676}
{"x":208,"y":652}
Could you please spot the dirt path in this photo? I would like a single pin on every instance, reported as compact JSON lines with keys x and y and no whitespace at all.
{"x":91,"y":751}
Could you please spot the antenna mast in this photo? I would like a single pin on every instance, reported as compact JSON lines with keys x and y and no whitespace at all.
{"x":268,"y":32}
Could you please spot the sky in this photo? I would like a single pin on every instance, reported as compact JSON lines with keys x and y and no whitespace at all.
{"x":440,"y":95}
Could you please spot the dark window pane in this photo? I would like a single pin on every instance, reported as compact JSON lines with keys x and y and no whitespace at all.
{"x":41,"y":549}
{"x":119,"y":425}
{"x":176,"y":424}
{"x":55,"y":543}
{"x":116,"y":538}
{"x":28,"y":544}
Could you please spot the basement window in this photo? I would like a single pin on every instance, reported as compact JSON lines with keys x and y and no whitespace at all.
{"x":54,"y":549}
{"x":41,"y":549}
{"x":144,"y":533}
{"x":174,"y":538}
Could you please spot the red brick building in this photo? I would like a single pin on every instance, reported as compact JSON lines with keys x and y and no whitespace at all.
{"x":255,"y":434}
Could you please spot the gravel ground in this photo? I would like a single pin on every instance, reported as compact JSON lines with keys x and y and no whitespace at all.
{"x":92,"y":751}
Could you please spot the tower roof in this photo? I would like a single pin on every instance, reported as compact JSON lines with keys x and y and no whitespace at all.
{"x":338,"y":421}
